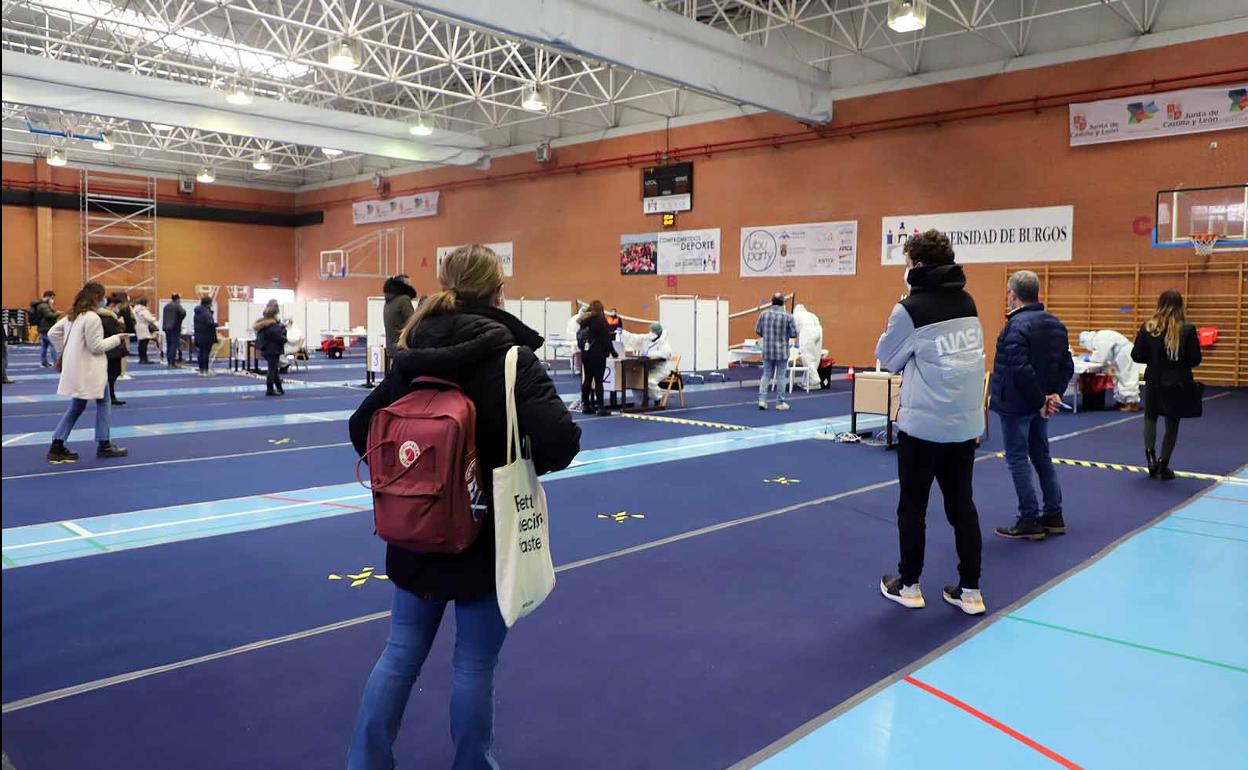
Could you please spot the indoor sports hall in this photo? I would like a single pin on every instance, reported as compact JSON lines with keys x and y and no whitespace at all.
{"x":230,"y":227}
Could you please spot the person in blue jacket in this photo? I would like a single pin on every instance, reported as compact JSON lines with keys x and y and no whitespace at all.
{"x":205,"y":333}
{"x":1033,"y":366}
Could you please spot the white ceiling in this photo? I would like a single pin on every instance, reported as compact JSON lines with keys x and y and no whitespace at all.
{"x":465,"y":80}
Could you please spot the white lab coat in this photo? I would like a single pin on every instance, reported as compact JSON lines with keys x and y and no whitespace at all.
{"x":1111,"y":349}
{"x":82,"y":345}
{"x":809,"y":342}
{"x":294,"y":339}
{"x":143,"y":317}
{"x":650,"y":347}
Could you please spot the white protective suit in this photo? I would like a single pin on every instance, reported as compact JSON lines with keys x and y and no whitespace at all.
{"x":1109,"y":348}
{"x":656,"y":347}
{"x":809,"y":342}
{"x":294,"y":339}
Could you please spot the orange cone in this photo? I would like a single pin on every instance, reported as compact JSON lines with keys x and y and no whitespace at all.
{"x":850,"y":375}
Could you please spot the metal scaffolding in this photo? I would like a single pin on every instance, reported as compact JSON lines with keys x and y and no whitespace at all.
{"x":118,"y":232}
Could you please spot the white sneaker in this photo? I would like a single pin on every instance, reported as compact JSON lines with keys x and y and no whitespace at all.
{"x":762,"y":405}
{"x":783,"y":406}
{"x":906,"y":596}
{"x":969,"y":600}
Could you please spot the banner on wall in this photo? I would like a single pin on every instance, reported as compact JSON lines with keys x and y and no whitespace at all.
{"x":1008,"y":235}
{"x":679,"y":252}
{"x":817,"y":248}
{"x":1191,"y":111}
{"x":505,"y":252}
{"x":399,"y":207}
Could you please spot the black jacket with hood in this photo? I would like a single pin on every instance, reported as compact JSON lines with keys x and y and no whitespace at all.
{"x":270,"y":337}
{"x":468,"y":347}
{"x":42,"y":316}
{"x":113,"y":324}
{"x":398,"y":309}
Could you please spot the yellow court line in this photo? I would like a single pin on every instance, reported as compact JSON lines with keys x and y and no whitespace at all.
{"x":682,"y":421}
{"x":1138,"y":469}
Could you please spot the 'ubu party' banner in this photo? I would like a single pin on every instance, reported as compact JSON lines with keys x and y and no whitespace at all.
{"x":1191,"y":111}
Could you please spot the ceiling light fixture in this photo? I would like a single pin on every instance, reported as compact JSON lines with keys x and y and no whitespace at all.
{"x":342,"y":55}
{"x":160,"y":126}
{"x":330,"y":152}
{"x":105,"y":142}
{"x":535,"y":100}
{"x":907,"y":15}
{"x":261,"y":164}
{"x":239,"y":96}
{"x":205,"y":175}
{"x":420,"y":127}
{"x":56,"y":158}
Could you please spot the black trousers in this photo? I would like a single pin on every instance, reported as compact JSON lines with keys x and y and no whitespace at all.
{"x":114,"y":371}
{"x":274,"y":380}
{"x":143,"y":350}
{"x":952,"y":466}
{"x":593,"y":369}
{"x":205,"y":353}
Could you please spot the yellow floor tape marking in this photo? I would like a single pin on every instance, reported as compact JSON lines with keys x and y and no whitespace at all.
{"x":782,"y":480}
{"x":280,"y":441}
{"x":682,"y":421}
{"x":620,"y":517}
{"x":1138,"y":469}
{"x":359,"y":578}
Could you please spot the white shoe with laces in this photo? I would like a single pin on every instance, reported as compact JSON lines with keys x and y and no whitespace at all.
{"x":969,"y":600}
{"x":783,"y":406}
{"x":906,"y":596}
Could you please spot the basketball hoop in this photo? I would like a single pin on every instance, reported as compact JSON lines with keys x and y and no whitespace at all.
{"x":207,"y":290}
{"x":239,"y":292}
{"x":1204,"y":243}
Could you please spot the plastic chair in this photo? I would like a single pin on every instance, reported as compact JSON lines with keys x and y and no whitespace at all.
{"x":794,"y":356}
{"x":674,"y":380}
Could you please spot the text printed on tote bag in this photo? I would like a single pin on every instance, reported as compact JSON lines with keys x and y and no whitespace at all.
{"x":529,"y":523}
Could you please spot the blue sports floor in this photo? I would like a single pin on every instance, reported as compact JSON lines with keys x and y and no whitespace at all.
{"x":215,"y":600}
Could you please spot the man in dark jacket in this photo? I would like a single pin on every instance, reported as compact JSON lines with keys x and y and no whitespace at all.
{"x":111,"y":322}
{"x":935,"y":338}
{"x":399,"y":295}
{"x":271,"y":344}
{"x":42,"y":317}
{"x":171,"y":319}
{"x":205,"y":329}
{"x":1032,"y":369}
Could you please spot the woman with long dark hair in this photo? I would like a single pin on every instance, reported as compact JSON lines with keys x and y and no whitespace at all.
{"x":594,"y":341}
{"x":271,"y":343}
{"x":461,"y":334}
{"x":1168,"y":345}
{"x":79,"y":337}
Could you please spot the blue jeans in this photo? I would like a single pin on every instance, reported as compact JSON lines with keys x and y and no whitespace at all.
{"x":1026,"y":440}
{"x":172,"y":343}
{"x":47,"y":353}
{"x":777,"y":368}
{"x":479,"y":634}
{"x":103,"y":414}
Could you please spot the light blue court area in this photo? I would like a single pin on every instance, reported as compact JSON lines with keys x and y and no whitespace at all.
{"x":160,"y":392}
{"x":188,"y":426}
{"x":91,"y":536}
{"x":1136,"y":663}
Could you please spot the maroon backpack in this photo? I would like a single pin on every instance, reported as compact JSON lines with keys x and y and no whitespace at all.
{"x":422,"y":463}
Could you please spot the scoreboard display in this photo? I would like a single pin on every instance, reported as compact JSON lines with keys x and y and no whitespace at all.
{"x":666,"y":189}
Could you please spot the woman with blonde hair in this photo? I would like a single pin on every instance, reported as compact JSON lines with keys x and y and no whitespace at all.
{"x":1168,"y":345}
{"x":460,"y":334}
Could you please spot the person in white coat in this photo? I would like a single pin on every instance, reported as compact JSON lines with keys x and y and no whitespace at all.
{"x":809,"y":343}
{"x":654,"y":346}
{"x":80,"y":341}
{"x":294,"y":340}
{"x":569,"y":333}
{"x":146,"y":329}
{"x":1111,"y":349}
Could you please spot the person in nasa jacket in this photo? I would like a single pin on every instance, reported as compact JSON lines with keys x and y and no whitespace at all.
{"x":935,"y":338}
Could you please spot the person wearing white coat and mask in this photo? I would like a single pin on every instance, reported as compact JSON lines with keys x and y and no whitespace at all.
{"x":79,"y":338}
{"x":809,"y":343}
{"x":1109,"y":348}
{"x":145,"y":329}
{"x":294,"y":340}
{"x":655,"y":346}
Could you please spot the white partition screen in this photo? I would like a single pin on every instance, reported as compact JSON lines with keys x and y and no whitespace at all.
{"x":679,"y":318}
{"x":375,"y":320}
{"x":318,"y":322}
{"x":339,"y":315}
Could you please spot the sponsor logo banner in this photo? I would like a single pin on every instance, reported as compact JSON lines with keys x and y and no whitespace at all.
{"x":678,"y":252}
{"x":1191,"y":111}
{"x":505,"y":252}
{"x":818,"y":248}
{"x":390,"y":209}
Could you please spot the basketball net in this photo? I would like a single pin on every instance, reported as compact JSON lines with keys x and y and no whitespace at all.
{"x":1204,"y":243}
{"x":239,"y":292}
{"x":207,"y":290}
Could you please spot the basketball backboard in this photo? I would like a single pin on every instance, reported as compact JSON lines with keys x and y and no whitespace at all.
{"x":1182,"y":213}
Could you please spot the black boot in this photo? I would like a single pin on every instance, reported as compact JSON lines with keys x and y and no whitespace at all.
{"x":1025,"y":528}
{"x":1152,"y":463}
{"x":1163,"y":470}
{"x":58,"y":454}
{"x":109,"y":449}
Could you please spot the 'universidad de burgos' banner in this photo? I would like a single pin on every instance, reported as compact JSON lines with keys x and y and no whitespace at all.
{"x":1007,"y":235}
{"x":1190,"y":111}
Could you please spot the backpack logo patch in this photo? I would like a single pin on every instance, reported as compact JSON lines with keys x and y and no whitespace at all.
{"x":409,"y":453}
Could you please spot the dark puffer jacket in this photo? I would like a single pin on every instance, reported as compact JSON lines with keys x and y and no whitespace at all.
{"x":113,"y":324}
{"x":1033,"y":360}
{"x":205,"y":326}
{"x":270,"y":337}
{"x":42,"y":315}
{"x":171,"y":318}
{"x":468,"y":347}
{"x":398,"y":309}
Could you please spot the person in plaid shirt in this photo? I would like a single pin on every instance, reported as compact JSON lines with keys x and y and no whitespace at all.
{"x":775,"y":328}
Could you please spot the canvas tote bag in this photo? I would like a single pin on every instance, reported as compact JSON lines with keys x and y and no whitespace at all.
{"x":524,"y":572}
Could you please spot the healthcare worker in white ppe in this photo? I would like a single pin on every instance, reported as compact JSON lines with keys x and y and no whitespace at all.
{"x":294,"y":340}
{"x":809,"y":343}
{"x":1109,"y":348}
{"x":654,"y":346}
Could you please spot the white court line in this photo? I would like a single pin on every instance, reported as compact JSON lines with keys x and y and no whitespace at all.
{"x":76,"y":528}
{"x":178,"y":523}
{"x":99,"y":468}
{"x":18,"y":437}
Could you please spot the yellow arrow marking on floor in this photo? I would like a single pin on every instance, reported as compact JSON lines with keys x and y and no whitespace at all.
{"x":782,"y":480}
{"x":359,"y":578}
{"x":682,"y":421}
{"x":1137,"y":469}
{"x":619,"y":517}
